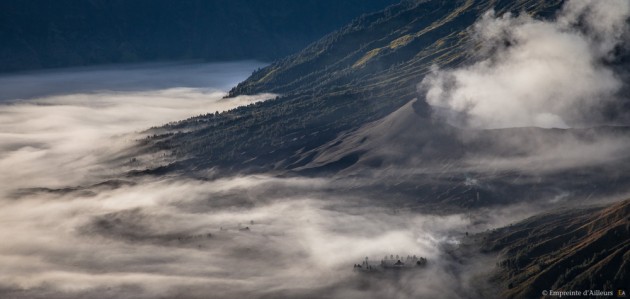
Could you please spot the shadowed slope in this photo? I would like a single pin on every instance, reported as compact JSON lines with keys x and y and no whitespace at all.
{"x":573,"y":250}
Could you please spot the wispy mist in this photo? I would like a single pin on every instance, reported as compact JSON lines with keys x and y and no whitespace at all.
{"x":530,"y":110}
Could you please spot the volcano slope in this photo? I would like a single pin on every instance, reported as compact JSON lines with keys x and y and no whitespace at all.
{"x":356,"y":75}
{"x":575,"y":249}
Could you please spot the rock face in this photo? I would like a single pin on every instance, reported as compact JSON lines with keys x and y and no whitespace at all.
{"x":43,"y":34}
{"x":568,"y":250}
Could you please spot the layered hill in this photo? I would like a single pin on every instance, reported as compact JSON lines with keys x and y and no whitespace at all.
{"x":42,"y":34}
{"x":356,"y":75}
{"x":579,"y":249}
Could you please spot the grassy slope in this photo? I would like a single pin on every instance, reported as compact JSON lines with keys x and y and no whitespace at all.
{"x":572,"y":250}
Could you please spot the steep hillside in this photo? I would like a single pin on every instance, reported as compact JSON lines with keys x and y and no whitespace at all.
{"x":42,"y":34}
{"x":578,"y":249}
{"x":393,"y":47}
{"x":353,"y":76}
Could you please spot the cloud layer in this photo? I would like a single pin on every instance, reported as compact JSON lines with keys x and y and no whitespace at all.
{"x":536,"y":72}
{"x":69,"y":235}
{"x":198,"y":239}
{"x":60,"y":139}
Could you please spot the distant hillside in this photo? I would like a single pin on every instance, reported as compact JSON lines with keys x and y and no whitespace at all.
{"x":43,"y":34}
{"x":565,"y":250}
{"x":358,"y":74}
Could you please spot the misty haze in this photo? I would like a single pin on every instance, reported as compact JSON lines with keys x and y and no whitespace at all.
{"x":315,"y":149}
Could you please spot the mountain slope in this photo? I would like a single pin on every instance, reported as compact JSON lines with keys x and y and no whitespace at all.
{"x":567,"y":250}
{"x":396,"y":46}
{"x":353,"y":76}
{"x":42,"y":34}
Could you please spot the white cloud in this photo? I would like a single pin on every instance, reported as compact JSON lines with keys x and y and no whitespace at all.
{"x":536,"y":72}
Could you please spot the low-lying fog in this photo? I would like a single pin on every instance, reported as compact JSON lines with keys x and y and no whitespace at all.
{"x":81,"y":118}
{"x":66,"y":236}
